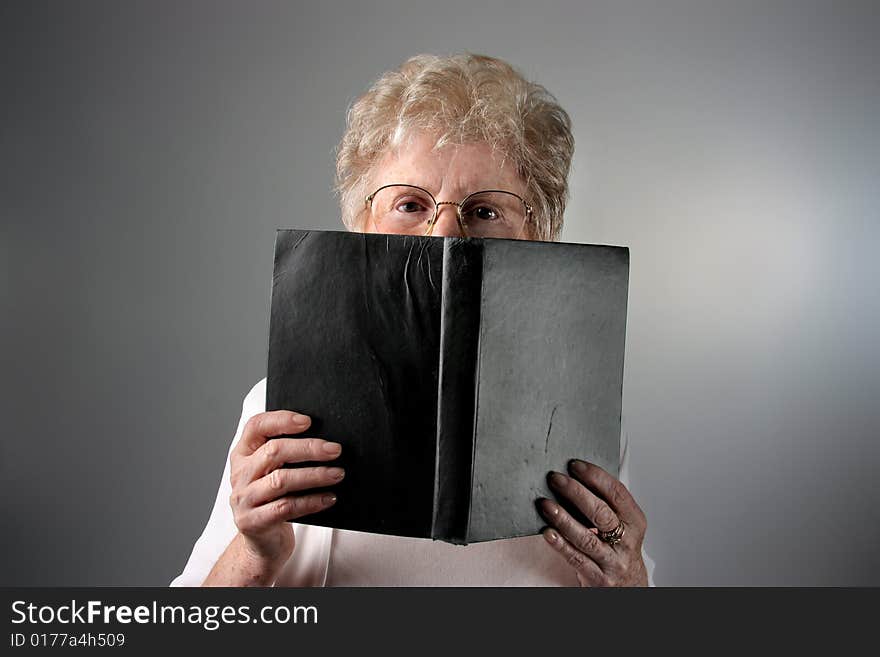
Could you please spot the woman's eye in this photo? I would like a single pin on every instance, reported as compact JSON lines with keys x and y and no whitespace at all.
{"x":485,"y":213}
{"x":410,"y":206}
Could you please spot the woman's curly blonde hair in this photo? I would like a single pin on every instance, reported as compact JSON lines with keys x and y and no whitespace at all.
{"x":461,"y":98}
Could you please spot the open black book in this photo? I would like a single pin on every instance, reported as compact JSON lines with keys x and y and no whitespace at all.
{"x":456,"y":373}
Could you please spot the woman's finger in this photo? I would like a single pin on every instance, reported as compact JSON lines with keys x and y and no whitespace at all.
{"x":611,"y":490}
{"x":588,"y":572}
{"x":262,"y":426}
{"x":592,"y":506}
{"x":278,"y":451}
{"x":290,"y":480}
{"x":258,"y":519}
{"x":579,"y":536}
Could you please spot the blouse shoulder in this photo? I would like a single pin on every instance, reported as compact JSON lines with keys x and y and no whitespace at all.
{"x":255,"y":401}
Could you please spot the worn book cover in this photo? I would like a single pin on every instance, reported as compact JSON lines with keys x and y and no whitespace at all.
{"x":455,"y":372}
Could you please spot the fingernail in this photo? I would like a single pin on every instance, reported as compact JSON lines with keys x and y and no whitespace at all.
{"x":549,"y":508}
{"x":332,"y":448}
{"x":302,"y":419}
{"x":578,"y":466}
{"x":328,"y":500}
{"x":336,"y":473}
{"x":551,"y":536}
{"x":558,"y":480}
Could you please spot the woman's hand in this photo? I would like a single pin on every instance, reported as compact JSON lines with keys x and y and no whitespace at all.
{"x":265,"y":494}
{"x":606,"y":503}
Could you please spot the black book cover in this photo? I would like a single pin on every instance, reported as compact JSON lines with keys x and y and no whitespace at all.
{"x":455,"y":372}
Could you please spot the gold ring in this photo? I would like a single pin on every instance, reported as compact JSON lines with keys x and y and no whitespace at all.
{"x":614,"y":536}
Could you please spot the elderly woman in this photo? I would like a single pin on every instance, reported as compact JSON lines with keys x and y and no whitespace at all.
{"x":460,"y":145}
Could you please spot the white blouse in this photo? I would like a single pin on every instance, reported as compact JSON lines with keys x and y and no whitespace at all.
{"x":337,"y":557}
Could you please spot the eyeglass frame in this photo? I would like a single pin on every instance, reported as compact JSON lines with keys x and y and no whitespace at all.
{"x":368,"y":202}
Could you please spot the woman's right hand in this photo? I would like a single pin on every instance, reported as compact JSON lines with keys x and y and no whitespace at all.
{"x":265,"y":494}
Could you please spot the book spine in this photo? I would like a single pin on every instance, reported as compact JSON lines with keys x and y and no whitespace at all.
{"x":457,"y":386}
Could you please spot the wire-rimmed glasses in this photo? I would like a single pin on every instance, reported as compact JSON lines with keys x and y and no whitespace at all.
{"x":408,"y":209}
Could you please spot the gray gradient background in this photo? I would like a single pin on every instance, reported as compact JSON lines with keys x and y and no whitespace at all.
{"x":150,"y":150}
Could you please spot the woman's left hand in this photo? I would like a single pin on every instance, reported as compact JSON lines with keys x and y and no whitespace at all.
{"x":607,"y":503}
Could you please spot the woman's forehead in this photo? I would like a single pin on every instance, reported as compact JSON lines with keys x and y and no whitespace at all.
{"x":448,"y":169}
